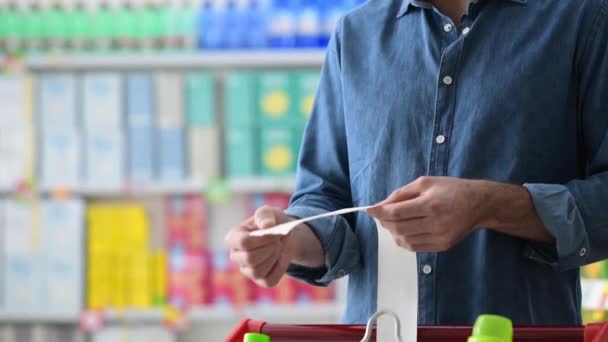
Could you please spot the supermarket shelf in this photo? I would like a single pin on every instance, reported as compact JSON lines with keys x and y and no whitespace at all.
{"x":270,"y":313}
{"x":38,"y":318}
{"x":249,"y":185}
{"x":211,"y":314}
{"x":228,"y":59}
{"x":134,"y":316}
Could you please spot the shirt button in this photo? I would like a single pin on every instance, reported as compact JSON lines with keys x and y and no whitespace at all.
{"x":427,"y":269}
{"x":448,"y":80}
{"x":583,"y":252}
{"x":341,"y":273}
{"x":466,"y":30}
{"x":440,"y":139}
{"x":448,"y":27}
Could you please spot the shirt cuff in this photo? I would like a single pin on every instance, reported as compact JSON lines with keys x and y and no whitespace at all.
{"x":339,"y":243}
{"x":557,"y":209}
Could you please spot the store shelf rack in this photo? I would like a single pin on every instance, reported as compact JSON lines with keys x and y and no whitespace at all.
{"x":228,"y":59}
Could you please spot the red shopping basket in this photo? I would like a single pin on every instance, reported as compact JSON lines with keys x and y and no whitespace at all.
{"x":354,"y":333}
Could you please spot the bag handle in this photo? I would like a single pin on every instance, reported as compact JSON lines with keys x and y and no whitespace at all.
{"x":374,"y":320}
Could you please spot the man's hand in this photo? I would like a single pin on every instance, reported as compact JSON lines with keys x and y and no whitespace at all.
{"x":262,"y":259}
{"x":433,"y":214}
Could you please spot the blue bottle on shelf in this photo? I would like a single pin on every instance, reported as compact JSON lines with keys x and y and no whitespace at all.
{"x":308,"y":24}
{"x":281,"y":33}
{"x":235,"y":32}
{"x":332,"y":12}
{"x":256,"y":25}
{"x":211,"y":21}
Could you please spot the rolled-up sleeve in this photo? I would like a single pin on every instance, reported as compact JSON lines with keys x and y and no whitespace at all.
{"x":323,"y":181}
{"x":576,"y":213}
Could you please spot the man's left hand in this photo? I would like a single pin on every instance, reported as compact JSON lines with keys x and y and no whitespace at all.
{"x":433,"y":214}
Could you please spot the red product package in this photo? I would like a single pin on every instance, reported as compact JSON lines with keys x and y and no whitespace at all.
{"x":189,"y":278}
{"x":186,"y":218}
{"x":277,"y":200}
{"x":230,"y":287}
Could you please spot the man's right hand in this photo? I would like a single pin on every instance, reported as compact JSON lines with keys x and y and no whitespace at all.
{"x":263,"y":259}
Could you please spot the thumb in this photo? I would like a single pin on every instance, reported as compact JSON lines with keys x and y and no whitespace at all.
{"x":266,"y":217}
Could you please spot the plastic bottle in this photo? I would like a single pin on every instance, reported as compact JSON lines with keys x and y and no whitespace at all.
{"x":252,"y":337}
{"x":282,"y":31}
{"x":56,"y":29}
{"x":491,"y":328}
{"x":32,"y":17}
{"x":126,"y":26}
{"x":309,"y":24}
{"x":211,"y":25}
{"x":103,"y":26}
{"x":187,"y":24}
{"x":3,"y":27}
{"x":78,"y":27}
{"x":13,"y":27}
{"x":234,"y":22}
{"x":256,"y":25}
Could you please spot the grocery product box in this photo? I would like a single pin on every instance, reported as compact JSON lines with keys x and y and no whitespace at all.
{"x":104,"y":167}
{"x":139,"y":280}
{"x":172,"y":154}
{"x":278,"y":150}
{"x":276,"y":99}
{"x":62,"y":223}
{"x":285,"y":293}
{"x":200,"y":103}
{"x":240,"y":94}
{"x":23,"y":282}
{"x":204,"y":149}
{"x":102,"y":101}
{"x":159,"y":277}
{"x":305,"y":84}
{"x":189,"y":278}
{"x":140,"y":128}
{"x":170,"y":100}
{"x":57,"y":101}
{"x":241,"y":152}
{"x":186,"y":221}
{"x":61,"y":166}
{"x":230,"y":287}
{"x":13,"y":99}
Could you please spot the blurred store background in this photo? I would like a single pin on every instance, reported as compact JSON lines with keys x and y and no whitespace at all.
{"x":133,"y":135}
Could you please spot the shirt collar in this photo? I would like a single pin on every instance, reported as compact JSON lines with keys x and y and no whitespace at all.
{"x":407,"y":4}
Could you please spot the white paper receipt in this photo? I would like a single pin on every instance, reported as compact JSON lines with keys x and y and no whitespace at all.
{"x":286,"y":228}
{"x":397,"y":277}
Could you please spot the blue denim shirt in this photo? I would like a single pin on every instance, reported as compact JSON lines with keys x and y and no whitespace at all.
{"x":518,"y":94}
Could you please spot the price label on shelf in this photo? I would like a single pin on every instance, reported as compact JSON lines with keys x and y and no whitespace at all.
{"x":218,"y":191}
{"x":91,"y":320}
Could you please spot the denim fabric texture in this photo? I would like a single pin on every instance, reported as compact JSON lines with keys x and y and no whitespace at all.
{"x":518,"y":93}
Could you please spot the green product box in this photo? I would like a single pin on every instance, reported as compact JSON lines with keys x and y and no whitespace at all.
{"x":275,"y":101}
{"x":200,"y":106}
{"x":305,"y":84}
{"x":279,"y":147}
{"x":241,"y":153}
{"x":239,"y":99}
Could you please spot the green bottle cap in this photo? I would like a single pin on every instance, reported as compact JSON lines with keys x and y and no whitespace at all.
{"x":491,"y":328}
{"x":251,"y":337}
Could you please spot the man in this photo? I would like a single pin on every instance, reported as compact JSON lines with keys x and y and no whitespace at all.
{"x":502,"y":106}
